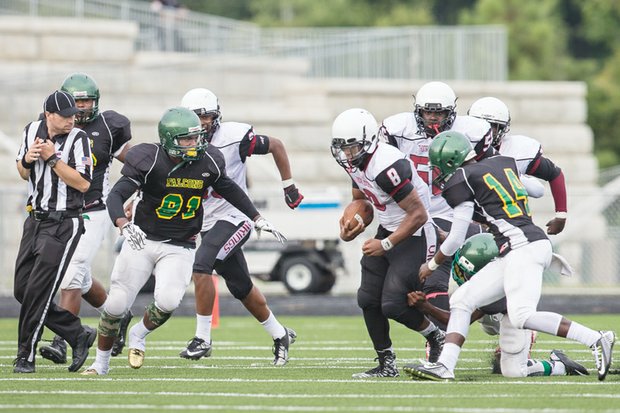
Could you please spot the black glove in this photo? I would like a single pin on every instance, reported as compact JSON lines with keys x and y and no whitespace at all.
{"x":292,"y":196}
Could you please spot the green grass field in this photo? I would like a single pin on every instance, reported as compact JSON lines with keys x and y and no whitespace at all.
{"x":239,"y":376}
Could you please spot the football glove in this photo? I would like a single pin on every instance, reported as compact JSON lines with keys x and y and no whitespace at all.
{"x":292,"y":196}
{"x":263,"y":225}
{"x":135,"y":237}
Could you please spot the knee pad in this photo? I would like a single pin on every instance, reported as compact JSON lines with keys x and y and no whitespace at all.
{"x":367,"y":300}
{"x":116,"y":304}
{"x":513,"y":340}
{"x":520,"y":314}
{"x":392,"y":310}
{"x":239,"y":287}
{"x":109,"y":324}
{"x":156,"y":315}
{"x":460,"y":299}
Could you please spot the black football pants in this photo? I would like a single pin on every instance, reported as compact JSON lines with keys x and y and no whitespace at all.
{"x":44,"y":254}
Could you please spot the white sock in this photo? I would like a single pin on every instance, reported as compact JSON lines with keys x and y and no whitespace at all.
{"x":203,"y":327}
{"x":139,"y":331}
{"x":273,"y":327}
{"x":582,"y":334}
{"x":428,"y":330}
{"x":449,"y":356}
{"x":102,"y":358}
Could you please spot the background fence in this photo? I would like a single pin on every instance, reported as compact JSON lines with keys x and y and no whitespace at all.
{"x":430,"y":52}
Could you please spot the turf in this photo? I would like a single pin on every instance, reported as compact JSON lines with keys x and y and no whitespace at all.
{"x":239,"y":376}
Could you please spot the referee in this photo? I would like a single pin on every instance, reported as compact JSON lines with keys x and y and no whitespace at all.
{"x":55,"y":159}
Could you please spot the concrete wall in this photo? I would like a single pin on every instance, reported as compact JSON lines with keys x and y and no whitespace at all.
{"x":276,"y":98}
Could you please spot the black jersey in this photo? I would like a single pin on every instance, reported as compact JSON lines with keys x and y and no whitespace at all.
{"x":108,"y":133}
{"x":500,"y":200}
{"x":170,"y":202}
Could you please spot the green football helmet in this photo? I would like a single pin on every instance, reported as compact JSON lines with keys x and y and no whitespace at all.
{"x":448,"y":151}
{"x":178,"y":123}
{"x":476,"y":252}
{"x":81,"y":86}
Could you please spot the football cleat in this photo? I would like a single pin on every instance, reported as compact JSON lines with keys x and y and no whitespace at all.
{"x":281,"y":345}
{"x":429,"y":371}
{"x":22,"y":365}
{"x":196,"y":349}
{"x":435,"y":342}
{"x":136,"y":358}
{"x":572,"y":367}
{"x":601,"y":350}
{"x":55,"y":352}
{"x":119,"y":341}
{"x":386,"y":367}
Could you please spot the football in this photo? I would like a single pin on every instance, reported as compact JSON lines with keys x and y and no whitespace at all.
{"x":358,"y":210}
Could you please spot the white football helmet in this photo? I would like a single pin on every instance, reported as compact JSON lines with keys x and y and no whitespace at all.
{"x":496,"y":113}
{"x":435,"y":97}
{"x":354,"y":136}
{"x":204,"y":102}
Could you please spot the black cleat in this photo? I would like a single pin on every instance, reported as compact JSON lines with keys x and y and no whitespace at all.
{"x":572,"y":367}
{"x":22,"y":365}
{"x":281,"y":345}
{"x":119,"y":341}
{"x":55,"y":352}
{"x":80,"y":351}
{"x":196,"y":349}
{"x":435,"y":342}
{"x":386,"y":367}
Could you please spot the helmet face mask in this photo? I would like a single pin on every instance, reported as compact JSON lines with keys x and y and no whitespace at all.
{"x":476,"y":252}
{"x":178,"y":124}
{"x":434,"y":108}
{"x":496,"y":113}
{"x":354,"y":137}
{"x":83,"y":87}
{"x":448,"y":151}
{"x":205,"y":104}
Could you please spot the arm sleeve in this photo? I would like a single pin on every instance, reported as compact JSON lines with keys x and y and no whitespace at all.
{"x":558,"y":191}
{"x":395,"y":180}
{"x":458,"y":232}
{"x":543,"y":168}
{"x":232,"y":193}
{"x":121,"y":191}
{"x":253,"y":144}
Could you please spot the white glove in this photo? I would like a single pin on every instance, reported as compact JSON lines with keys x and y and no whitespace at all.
{"x":263,"y":225}
{"x":135,"y":237}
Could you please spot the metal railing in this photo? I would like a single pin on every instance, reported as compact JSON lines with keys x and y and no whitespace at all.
{"x":426,"y":52}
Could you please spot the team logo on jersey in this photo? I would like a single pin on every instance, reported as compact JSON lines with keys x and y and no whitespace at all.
{"x":184,"y":183}
{"x":206,"y":174}
{"x":95,"y":133}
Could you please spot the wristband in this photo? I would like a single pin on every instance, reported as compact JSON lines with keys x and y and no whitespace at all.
{"x":287,"y":182}
{"x":27,"y":165}
{"x":561,"y":215}
{"x":386,"y":244}
{"x":432,"y":264}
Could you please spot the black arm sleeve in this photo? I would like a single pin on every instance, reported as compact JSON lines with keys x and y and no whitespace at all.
{"x":232,"y":193}
{"x":544,"y":169}
{"x":395,"y":180}
{"x":121,"y":192}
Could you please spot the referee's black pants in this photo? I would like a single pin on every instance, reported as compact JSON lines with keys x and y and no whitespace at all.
{"x":44,"y":255}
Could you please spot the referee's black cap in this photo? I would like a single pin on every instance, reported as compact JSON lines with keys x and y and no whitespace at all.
{"x":62,"y":103}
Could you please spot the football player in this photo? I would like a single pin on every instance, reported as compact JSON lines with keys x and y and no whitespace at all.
{"x":109,"y":133}
{"x":527,"y":152}
{"x":225,"y":229}
{"x":405,"y":238}
{"x":515,"y":344}
{"x":434,"y":112}
{"x":172,"y":178}
{"x":490,"y":191}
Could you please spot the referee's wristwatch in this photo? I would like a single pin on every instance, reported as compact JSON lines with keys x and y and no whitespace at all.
{"x":52,"y":161}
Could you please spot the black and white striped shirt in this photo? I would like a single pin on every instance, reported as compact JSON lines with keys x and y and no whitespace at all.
{"x":46,"y":191}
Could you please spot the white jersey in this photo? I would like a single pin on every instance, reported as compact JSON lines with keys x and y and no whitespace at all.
{"x":403,"y":131}
{"x":522,"y":149}
{"x":383,"y":164}
{"x":228,"y":138}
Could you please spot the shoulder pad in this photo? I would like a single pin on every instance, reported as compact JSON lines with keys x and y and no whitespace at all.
{"x":520,"y":147}
{"x":230,"y":132}
{"x":384,"y":156}
{"x":115,"y":119}
{"x":401,"y":125}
